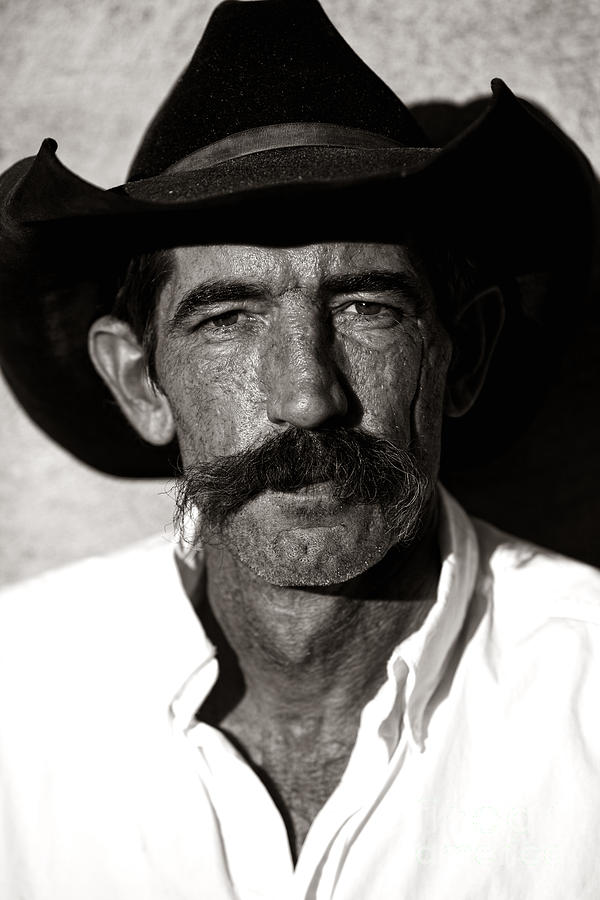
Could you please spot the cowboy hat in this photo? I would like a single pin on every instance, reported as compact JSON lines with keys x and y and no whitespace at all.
{"x":278,"y":131}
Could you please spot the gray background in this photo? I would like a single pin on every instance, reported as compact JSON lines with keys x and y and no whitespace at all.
{"x":91,"y":73}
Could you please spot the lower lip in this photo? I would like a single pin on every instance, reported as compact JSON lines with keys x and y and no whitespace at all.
{"x":320,"y":489}
{"x":318,"y":496}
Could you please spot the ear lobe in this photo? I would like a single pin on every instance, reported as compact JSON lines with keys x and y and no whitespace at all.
{"x":475,"y":335}
{"x":119,"y":360}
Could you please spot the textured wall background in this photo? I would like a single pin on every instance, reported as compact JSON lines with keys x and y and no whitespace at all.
{"x":91,"y":73}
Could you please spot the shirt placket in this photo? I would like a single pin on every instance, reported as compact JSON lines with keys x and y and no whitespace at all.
{"x":376,"y":758}
{"x":253,"y":833}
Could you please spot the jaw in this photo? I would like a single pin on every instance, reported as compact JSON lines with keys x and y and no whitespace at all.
{"x":311,"y":540}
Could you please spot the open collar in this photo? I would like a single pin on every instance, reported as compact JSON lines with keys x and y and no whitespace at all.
{"x":415,"y":667}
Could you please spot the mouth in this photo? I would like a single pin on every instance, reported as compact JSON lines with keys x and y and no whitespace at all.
{"x":290,"y":486}
{"x":314,"y":489}
{"x":310,"y":502}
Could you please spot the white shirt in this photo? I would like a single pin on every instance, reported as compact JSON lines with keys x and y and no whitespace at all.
{"x":475,"y":772}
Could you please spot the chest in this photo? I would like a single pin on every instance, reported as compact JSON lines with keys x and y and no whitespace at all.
{"x":300,"y":767}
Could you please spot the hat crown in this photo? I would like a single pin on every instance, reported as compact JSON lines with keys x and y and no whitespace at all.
{"x":266,"y":62}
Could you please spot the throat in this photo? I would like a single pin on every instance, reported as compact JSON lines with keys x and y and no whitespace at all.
{"x":300,"y":766}
{"x":291,"y":647}
{"x":296,"y":669}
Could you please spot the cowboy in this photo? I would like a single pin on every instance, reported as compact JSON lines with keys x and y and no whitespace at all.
{"x":344,"y":686}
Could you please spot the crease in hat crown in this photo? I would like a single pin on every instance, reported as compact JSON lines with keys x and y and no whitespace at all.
{"x":264,"y":63}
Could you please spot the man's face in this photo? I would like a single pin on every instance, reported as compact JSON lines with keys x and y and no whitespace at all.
{"x":253,"y":341}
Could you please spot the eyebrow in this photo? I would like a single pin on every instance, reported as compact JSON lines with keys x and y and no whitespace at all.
{"x":218,"y":290}
{"x":233,"y":290}
{"x":376,"y":281}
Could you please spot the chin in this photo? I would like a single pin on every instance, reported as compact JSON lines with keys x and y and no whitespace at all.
{"x":305,"y":551}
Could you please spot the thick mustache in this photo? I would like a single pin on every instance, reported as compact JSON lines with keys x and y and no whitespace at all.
{"x":360,"y":468}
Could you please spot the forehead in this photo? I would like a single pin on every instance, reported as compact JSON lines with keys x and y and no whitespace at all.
{"x":282,"y":267}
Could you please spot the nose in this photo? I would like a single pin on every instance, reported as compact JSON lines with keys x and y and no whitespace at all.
{"x":303,"y":382}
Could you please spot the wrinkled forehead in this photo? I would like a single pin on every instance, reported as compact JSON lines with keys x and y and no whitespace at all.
{"x":289,"y":266}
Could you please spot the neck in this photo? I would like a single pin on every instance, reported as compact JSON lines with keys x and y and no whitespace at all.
{"x":286,"y":650}
{"x":297,"y":665}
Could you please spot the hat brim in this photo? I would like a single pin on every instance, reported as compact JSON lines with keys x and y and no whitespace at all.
{"x":495,"y":184}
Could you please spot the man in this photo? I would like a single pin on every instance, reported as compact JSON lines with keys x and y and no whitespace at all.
{"x":347,"y":688}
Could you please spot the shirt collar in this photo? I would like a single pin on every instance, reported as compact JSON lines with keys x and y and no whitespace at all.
{"x":204,"y":670}
{"x":427,"y":650}
{"x":417,"y":664}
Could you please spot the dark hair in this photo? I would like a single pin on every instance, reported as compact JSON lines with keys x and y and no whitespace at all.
{"x":137,"y":299}
{"x":451,"y":273}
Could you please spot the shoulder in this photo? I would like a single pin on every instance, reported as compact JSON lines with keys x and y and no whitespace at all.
{"x":522,"y":584}
{"x":541,"y":625}
{"x":93,"y":642}
{"x":539,"y":634}
{"x":534,"y":583}
{"x":91,"y":577}
{"x":81,"y":608}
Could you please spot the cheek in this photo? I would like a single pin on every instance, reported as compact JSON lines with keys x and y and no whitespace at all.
{"x":214,"y":396}
{"x":429,"y":400}
{"x":385,"y":382}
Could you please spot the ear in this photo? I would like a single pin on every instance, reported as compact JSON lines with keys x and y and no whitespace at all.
{"x":119,"y":360}
{"x":475,"y":335}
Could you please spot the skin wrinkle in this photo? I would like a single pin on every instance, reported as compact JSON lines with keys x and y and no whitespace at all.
{"x":357,"y":468}
{"x":415,"y":399}
{"x":302,"y":735}
{"x":243,"y":379}
{"x":309,"y":602}
{"x":296,"y":341}
{"x":279,"y":728}
{"x":437,"y":368}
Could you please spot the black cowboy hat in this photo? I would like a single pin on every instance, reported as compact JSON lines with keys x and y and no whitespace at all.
{"x":278,"y":131}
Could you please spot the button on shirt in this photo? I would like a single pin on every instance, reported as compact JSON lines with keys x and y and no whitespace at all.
{"x":475,"y":771}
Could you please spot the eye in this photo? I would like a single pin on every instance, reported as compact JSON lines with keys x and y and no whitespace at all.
{"x":367,"y":309}
{"x":224,"y":320}
{"x":369,"y":314}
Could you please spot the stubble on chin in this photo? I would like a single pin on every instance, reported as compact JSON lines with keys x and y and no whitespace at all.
{"x":308,"y":508}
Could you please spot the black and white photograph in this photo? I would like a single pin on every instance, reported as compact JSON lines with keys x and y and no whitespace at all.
{"x":299,"y":450}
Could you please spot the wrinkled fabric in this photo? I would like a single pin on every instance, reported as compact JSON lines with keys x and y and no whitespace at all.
{"x":474,"y":773}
